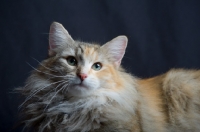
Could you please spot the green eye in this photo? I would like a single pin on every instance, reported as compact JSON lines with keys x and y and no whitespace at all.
{"x":71,"y":61}
{"x":96,"y":66}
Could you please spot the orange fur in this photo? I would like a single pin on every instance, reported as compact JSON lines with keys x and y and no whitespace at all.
{"x":152,"y":98}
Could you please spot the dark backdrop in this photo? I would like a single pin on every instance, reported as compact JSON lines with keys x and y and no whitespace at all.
{"x":162,"y":34}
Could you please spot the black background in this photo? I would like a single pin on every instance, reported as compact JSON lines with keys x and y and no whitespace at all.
{"x":162,"y":34}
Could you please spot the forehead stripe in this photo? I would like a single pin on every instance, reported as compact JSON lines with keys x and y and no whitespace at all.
{"x":81,"y":49}
{"x":80,"y":56}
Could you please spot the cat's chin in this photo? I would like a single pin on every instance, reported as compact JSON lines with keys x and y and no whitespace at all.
{"x":80,"y":90}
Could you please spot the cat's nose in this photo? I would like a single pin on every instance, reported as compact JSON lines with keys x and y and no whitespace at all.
{"x":82,"y":76}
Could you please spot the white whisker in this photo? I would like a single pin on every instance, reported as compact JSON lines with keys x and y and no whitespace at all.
{"x":43,"y":65}
{"x":35,"y":92}
{"x":56,"y":87}
{"x":55,"y":95}
{"x":43,"y":72}
{"x":65,"y":88}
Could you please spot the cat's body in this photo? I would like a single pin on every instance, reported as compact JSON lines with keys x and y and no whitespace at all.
{"x":82,"y":88}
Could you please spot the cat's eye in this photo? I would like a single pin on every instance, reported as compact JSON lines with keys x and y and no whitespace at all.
{"x":71,"y":61}
{"x":96,"y":66}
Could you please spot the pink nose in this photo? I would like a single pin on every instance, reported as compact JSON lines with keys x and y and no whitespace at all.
{"x":82,"y":76}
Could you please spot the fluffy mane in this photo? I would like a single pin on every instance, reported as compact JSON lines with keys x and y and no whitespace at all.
{"x":104,"y":106}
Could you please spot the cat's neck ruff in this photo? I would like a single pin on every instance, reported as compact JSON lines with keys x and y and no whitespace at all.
{"x":104,"y":105}
{"x":110,"y":106}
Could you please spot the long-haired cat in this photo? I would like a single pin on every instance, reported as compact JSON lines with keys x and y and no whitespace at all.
{"x":81,"y":87}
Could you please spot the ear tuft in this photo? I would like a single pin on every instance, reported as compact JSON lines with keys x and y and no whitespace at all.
{"x":116,"y":49}
{"x":58,"y":36}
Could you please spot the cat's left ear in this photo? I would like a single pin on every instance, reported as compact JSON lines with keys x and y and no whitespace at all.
{"x":115,"y":49}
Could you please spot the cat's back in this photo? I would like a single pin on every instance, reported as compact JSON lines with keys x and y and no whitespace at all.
{"x":182,"y":95}
{"x":171,"y":101}
{"x":189,"y":79}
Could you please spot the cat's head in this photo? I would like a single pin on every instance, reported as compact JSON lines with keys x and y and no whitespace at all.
{"x":83,"y":67}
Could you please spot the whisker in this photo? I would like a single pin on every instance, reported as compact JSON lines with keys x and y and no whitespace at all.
{"x":43,"y":65}
{"x":56,"y":87}
{"x":128,"y":57}
{"x":43,"y":72}
{"x":47,"y":86}
{"x":32,"y":82}
{"x":16,"y":90}
{"x":35,"y":92}
{"x":54,"y":96}
{"x":65,"y":88}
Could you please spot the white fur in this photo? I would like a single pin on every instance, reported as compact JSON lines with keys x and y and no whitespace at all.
{"x":96,"y":108}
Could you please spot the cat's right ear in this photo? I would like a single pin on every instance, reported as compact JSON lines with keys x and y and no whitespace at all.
{"x":116,"y":49}
{"x":58,"y":37}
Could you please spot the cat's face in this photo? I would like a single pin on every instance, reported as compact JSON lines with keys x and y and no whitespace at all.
{"x":83,"y":67}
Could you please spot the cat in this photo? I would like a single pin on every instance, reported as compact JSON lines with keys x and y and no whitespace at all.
{"x":82,"y":87}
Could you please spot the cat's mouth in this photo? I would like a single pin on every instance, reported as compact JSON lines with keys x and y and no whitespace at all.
{"x":79,"y":89}
{"x":81,"y":85}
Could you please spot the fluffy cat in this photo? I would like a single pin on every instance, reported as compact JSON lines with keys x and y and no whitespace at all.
{"x":81,"y":87}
